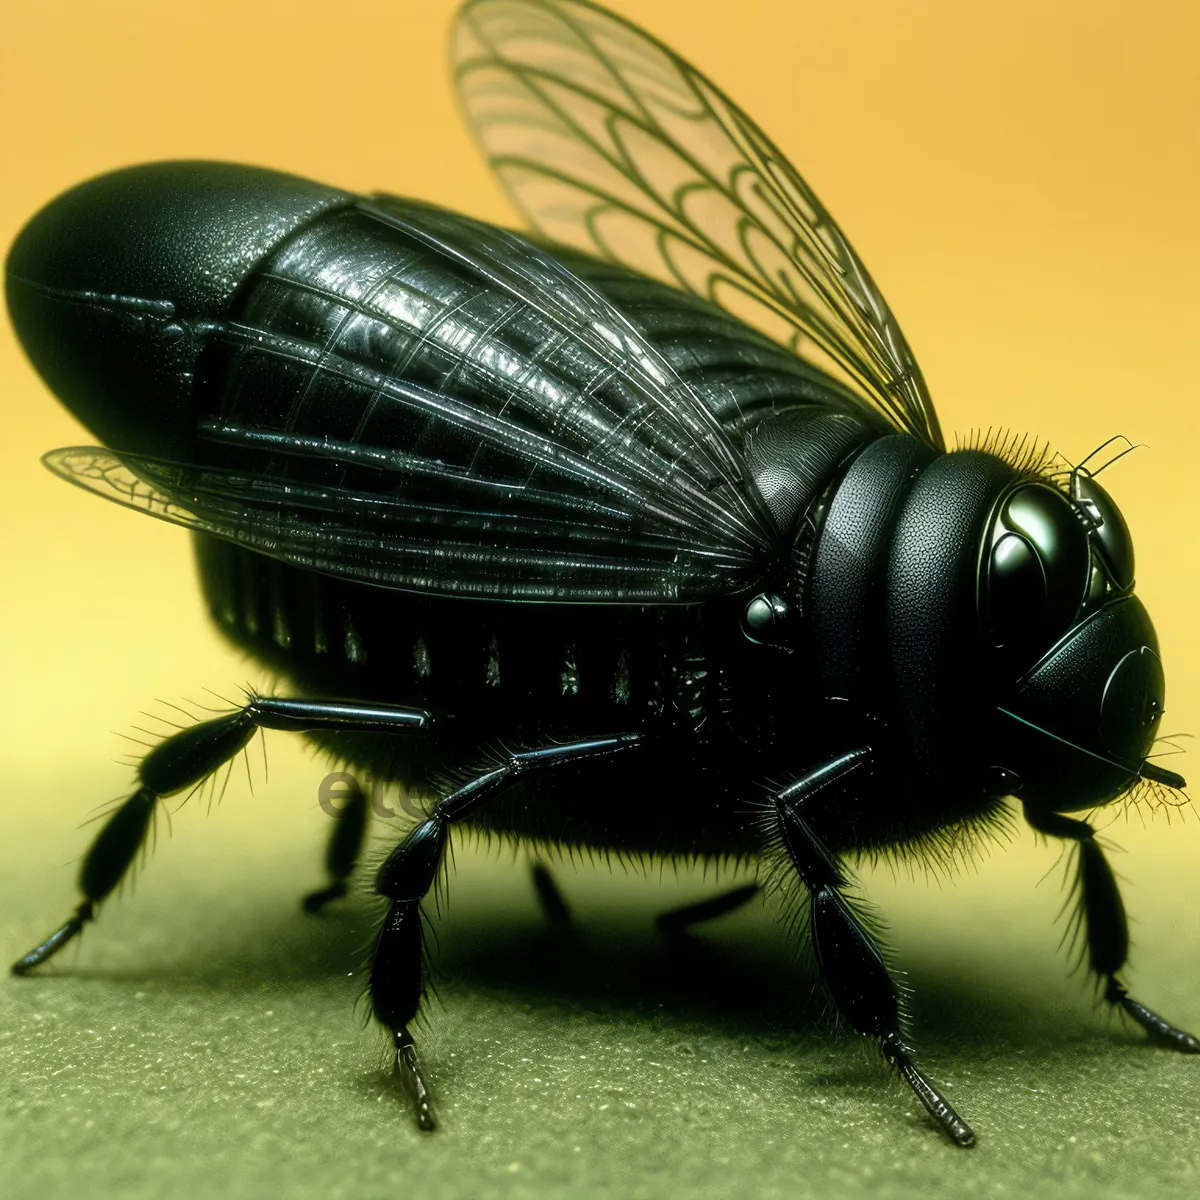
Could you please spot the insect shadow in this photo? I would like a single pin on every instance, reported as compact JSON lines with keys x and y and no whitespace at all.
{"x":738,"y":977}
{"x":752,"y":987}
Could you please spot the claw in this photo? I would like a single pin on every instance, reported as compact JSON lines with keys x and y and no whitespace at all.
{"x":938,"y":1107}
{"x":1163,"y":1033}
{"x":55,"y":942}
{"x":413,"y":1081}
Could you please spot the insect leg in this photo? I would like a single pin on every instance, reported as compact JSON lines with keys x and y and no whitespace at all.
{"x":553,"y":903}
{"x":678,"y":920}
{"x":342,"y":852}
{"x":849,"y":960}
{"x":1103,"y":914}
{"x":408,"y":874}
{"x":182,"y":761}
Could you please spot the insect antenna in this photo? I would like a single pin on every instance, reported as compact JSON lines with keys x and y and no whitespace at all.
{"x":1130,"y":447}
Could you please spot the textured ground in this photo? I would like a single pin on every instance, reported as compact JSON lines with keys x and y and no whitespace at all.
{"x":205,"y":1036}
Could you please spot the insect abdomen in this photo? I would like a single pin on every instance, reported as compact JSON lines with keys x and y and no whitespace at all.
{"x":504,"y":665}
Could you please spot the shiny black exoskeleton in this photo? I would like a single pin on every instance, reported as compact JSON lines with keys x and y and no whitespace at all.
{"x":519,"y":515}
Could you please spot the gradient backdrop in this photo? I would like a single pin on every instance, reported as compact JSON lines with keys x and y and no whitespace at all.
{"x":1021,"y":178}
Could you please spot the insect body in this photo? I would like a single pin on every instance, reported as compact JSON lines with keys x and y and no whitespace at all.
{"x":529,"y":524}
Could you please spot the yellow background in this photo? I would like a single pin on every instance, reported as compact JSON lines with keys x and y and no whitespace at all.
{"x":1022,"y":180}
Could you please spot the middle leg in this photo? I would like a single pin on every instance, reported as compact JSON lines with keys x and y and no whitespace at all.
{"x":410,"y":871}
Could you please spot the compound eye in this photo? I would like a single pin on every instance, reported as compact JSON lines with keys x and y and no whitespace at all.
{"x":1017,"y":597}
{"x":1038,"y":571}
{"x":1110,"y":535}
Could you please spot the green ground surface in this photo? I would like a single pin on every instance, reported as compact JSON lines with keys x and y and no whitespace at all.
{"x":204,"y":1040}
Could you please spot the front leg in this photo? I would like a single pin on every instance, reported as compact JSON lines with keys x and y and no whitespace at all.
{"x":851,"y":966}
{"x":1103,"y":914}
{"x":408,"y":874}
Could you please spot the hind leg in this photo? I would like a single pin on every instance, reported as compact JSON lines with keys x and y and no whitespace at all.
{"x":183,"y":761}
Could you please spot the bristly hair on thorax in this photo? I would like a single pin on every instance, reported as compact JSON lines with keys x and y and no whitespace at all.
{"x":1026,"y":454}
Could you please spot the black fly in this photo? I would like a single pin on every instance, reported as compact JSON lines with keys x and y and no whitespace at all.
{"x":466,"y":489}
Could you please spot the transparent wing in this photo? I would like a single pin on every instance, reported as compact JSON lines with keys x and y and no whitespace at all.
{"x":609,"y":142}
{"x":635,"y":416}
{"x":537,"y":546}
{"x":410,"y":398}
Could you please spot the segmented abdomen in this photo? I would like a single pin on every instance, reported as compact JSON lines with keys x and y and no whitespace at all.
{"x":512,"y":667}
